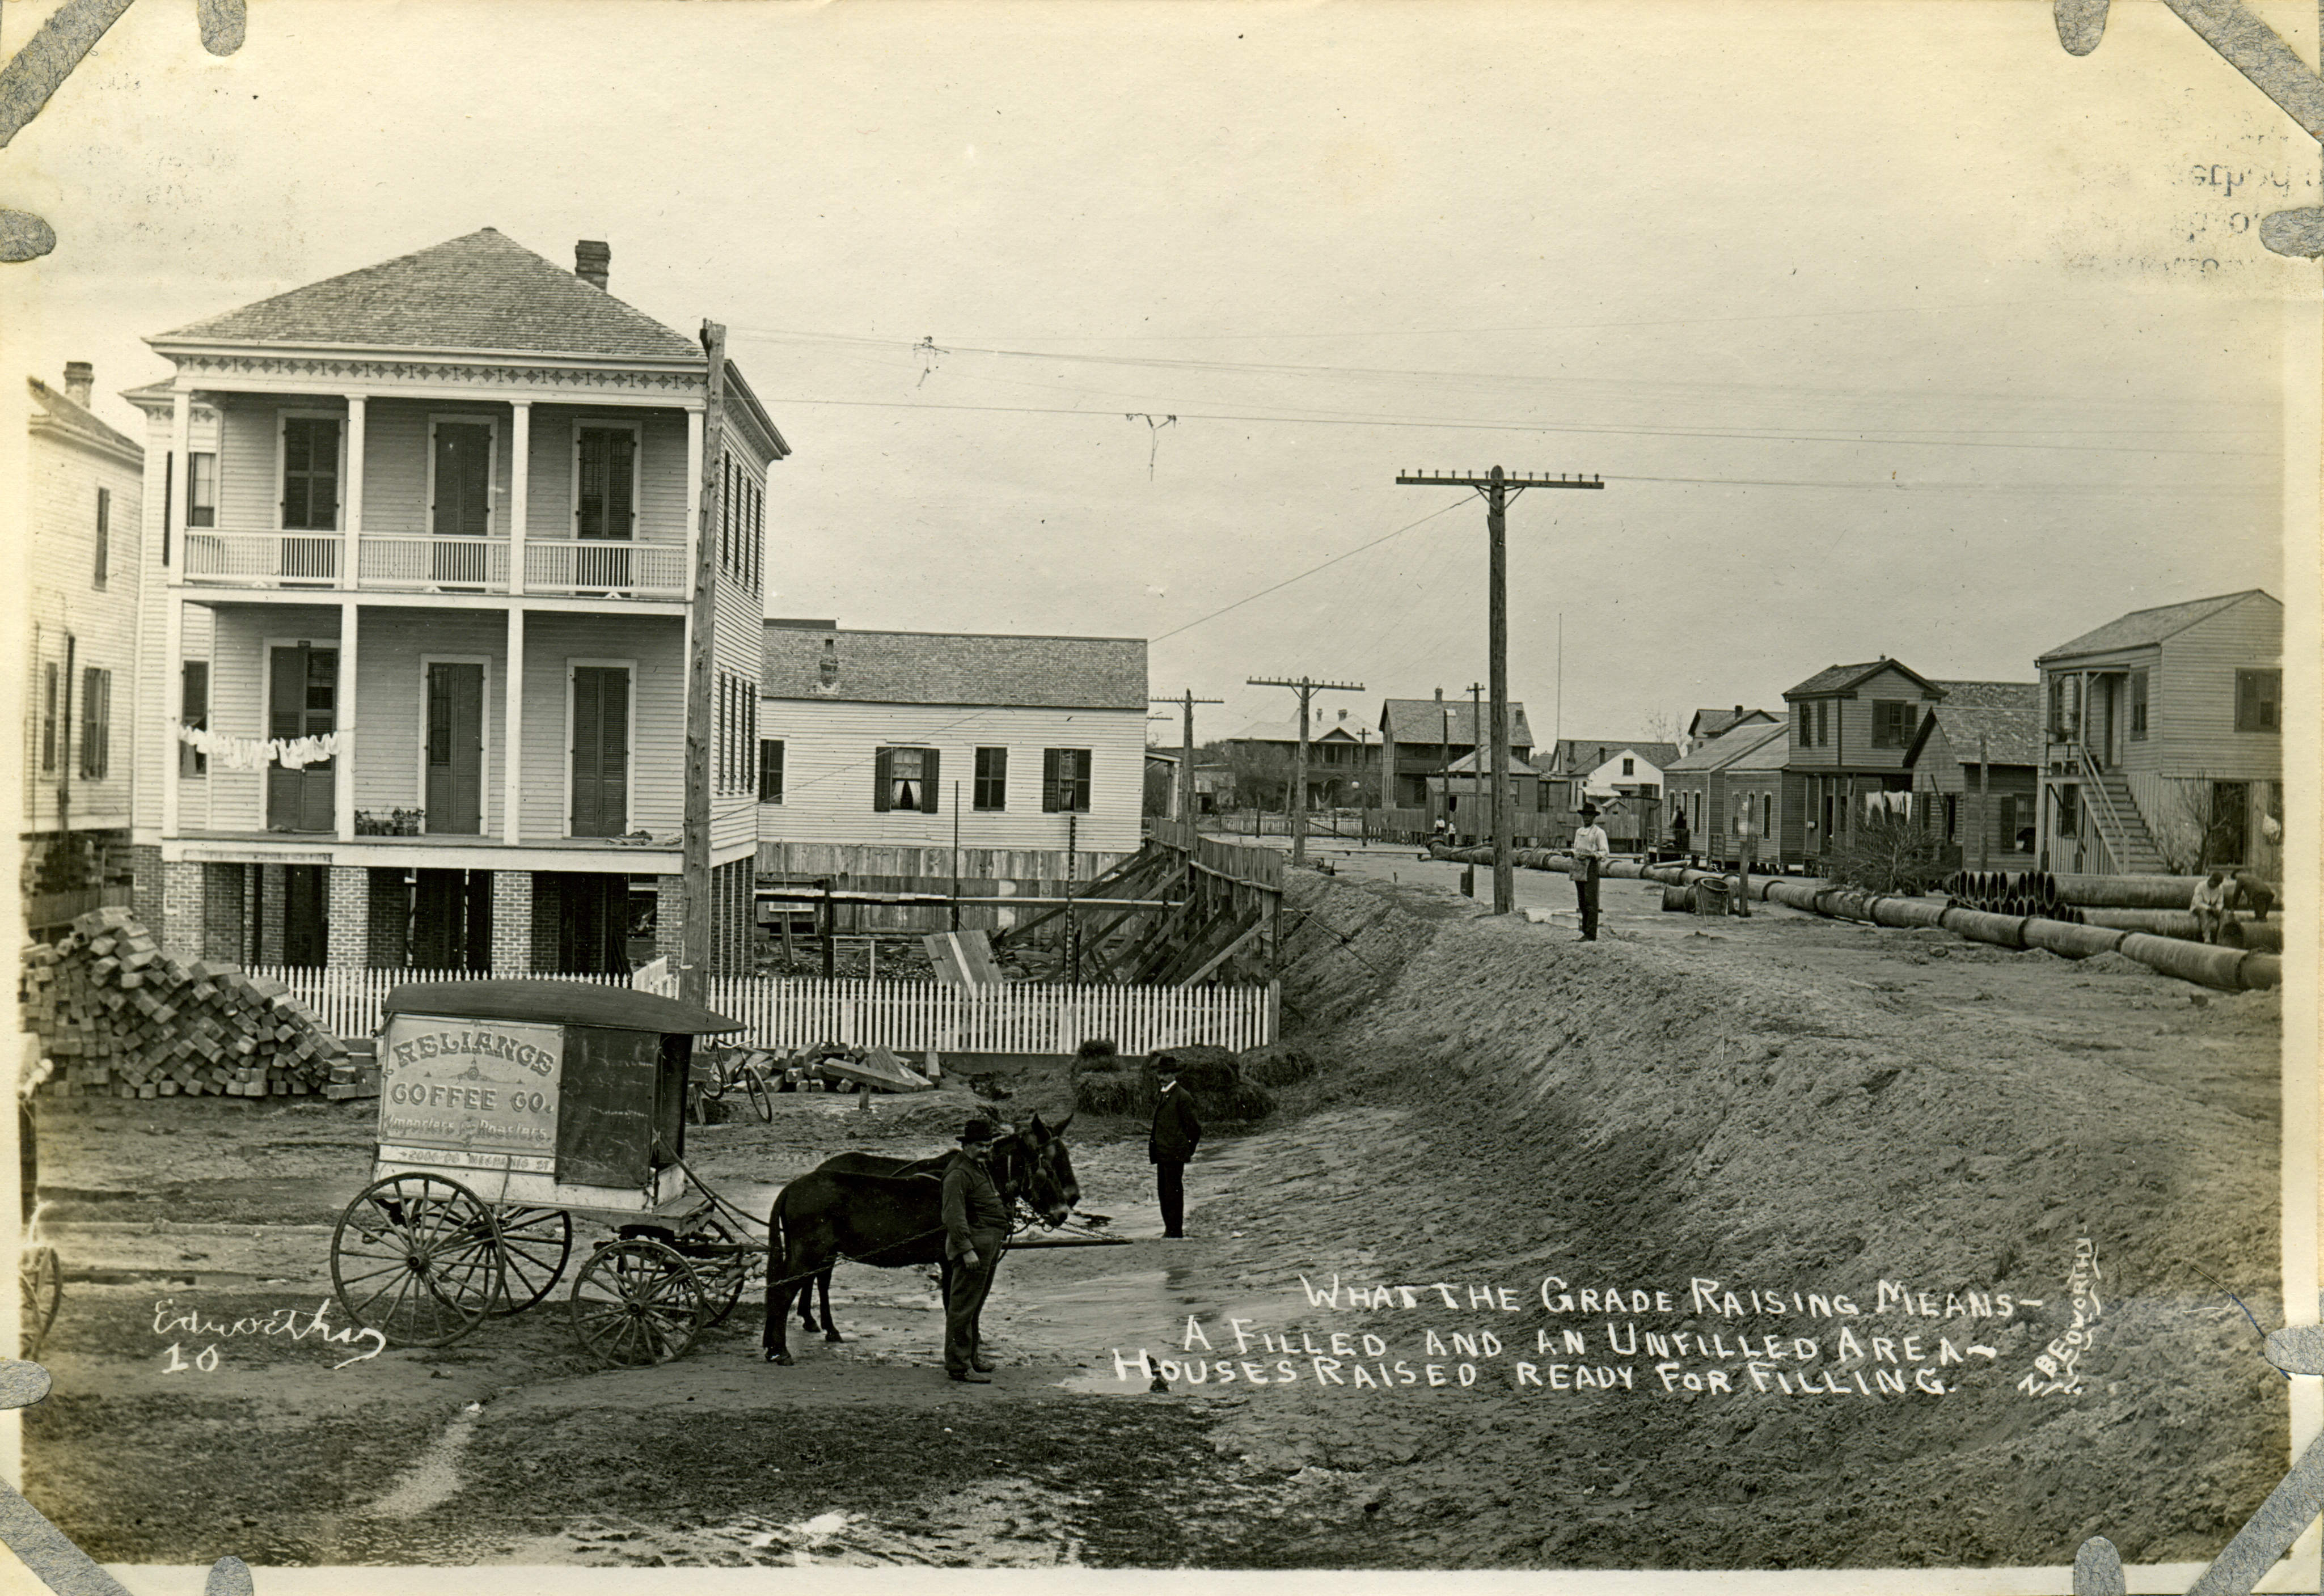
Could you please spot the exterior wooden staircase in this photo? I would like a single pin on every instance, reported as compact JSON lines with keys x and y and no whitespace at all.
{"x":2120,"y":826}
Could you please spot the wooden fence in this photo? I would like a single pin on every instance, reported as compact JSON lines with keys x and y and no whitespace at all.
{"x":907,"y":1016}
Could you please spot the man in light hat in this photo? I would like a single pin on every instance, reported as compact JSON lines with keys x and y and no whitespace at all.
{"x":1170,"y":1145}
{"x":1591,"y":851}
{"x":976,"y":1227}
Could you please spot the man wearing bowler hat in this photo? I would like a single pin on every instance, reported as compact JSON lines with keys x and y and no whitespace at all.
{"x":976,"y":1227}
{"x":1171,"y":1144}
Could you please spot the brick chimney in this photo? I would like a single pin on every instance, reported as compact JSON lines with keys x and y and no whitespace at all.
{"x":1440,"y":695}
{"x":80,"y":382}
{"x":591,"y":258}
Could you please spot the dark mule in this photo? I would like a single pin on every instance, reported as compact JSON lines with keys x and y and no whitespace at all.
{"x":890,"y":1213}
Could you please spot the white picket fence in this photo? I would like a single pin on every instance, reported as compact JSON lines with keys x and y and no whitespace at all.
{"x":907,"y":1016}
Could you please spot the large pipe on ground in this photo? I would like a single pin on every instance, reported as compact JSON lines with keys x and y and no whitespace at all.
{"x":2231,"y":969}
{"x":2127,"y":892}
{"x":2071,"y":941}
{"x":2257,"y":936}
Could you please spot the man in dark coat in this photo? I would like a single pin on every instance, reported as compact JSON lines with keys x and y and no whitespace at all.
{"x":976,"y":1227}
{"x":1171,"y":1143}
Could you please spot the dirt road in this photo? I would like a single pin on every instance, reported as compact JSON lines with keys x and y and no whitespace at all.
{"x":1531,"y":1156}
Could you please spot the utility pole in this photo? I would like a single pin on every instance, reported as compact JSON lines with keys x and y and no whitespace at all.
{"x":1495,"y":488}
{"x":1984,"y":820}
{"x":1187,"y":751}
{"x":1306,"y":690}
{"x":1363,"y":779}
{"x":701,"y":690}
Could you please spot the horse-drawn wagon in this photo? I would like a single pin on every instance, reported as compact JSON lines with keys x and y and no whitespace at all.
{"x":508,"y":1110}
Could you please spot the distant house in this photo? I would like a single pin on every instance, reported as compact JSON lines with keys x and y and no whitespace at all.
{"x":1976,"y":761}
{"x":2163,"y":740}
{"x":1623,"y":779}
{"x":1212,"y":781}
{"x":86,"y":560}
{"x":900,"y":739}
{"x":1851,"y":727}
{"x":1419,"y":737}
{"x":1340,"y":755}
{"x":1463,"y":795}
{"x":1707,"y":724}
{"x":1731,"y":790}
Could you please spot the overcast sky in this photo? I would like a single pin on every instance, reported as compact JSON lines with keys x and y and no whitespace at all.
{"x":1893,"y":329}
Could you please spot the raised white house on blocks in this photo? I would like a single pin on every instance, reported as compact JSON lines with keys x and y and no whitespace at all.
{"x":421,"y":543}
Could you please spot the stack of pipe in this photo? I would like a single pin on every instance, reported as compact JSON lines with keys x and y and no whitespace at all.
{"x":2247,"y":967}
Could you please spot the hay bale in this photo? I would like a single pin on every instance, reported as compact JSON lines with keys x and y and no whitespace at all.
{"x":1279,"y":1064}
{"x":1097,"y":1054}
{"x":1127,"y":1092}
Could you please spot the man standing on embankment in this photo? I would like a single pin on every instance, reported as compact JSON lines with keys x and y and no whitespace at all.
{"x":1590,"y":851}
{"x":1170,"y":1146}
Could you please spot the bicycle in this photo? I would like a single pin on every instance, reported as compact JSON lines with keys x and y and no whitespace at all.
{"x":719,"y":1070}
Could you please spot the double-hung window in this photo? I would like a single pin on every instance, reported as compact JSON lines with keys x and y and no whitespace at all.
{"x":310,"y":473}
{"x":201,"y":489}
{"x":1066,"y":780}
{"x":2257,"y":694}
{"x":2138,"y":706}
{"x":904,"y":779}
{"x":992,"y":779}
{"x":771,"y":771}
{"x":605,"y":471}
{"x":95,"y":722}
{"x":194,"y":710}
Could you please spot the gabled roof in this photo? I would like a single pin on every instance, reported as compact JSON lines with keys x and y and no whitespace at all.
{"x":1432,"y":721}
{"x":1710,"y":723}
{"x":1991,"y":695}
{"x":1841,"y":678}
{"x":478,"y":292}
{"x":1467,"y":764}
{"x":1287,"y":731}
{"x":60,"y":414}
{"x":2142,"y":628}
{"x":1733,"y":747}
{"x":956,"y":668}
{"x":1578,"y":756}
{"x":2012,"y":733}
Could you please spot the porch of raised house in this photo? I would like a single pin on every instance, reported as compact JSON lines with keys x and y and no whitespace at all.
{"x":401,"y":833}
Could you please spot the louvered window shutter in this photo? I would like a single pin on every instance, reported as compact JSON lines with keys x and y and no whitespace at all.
{"x":1049,"y":781}
{"x":928,"y":781}
{"x":880,"y":782}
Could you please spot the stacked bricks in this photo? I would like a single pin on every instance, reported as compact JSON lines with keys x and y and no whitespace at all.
{"x":349,"y":907}
{"x":119,"y":1017}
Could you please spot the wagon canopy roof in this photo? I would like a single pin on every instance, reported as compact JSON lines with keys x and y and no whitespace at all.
{"x":556,"y":1003}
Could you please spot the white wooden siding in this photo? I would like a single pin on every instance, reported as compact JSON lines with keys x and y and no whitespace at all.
{"x":828,"y":755}
{"x":238,"y":798}
{"x":64,"y":598}
{"x":661,"y":463}
{"x":392,"y":708}
{"x":397,"y":443}
{"x":658,"y":707}
{"x":2195,"y":718}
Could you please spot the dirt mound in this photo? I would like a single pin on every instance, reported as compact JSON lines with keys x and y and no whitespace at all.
{"x":1620,"y":1119}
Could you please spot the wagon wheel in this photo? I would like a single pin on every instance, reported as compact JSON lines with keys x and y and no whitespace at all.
{"x":41,"y":1278}
{"x":756,"y":1080}
{"x":637,"y":1301}
{"x":535,"y":1242}
{"x":416,"y":1258}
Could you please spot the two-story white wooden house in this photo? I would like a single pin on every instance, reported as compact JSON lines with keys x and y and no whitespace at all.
{"x":2163,"y":740}
{"x":421,"y":543}
{"x":84,"y":493}
{"x":874,"y":739}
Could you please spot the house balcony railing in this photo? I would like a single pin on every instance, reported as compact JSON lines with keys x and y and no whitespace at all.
{"x":602,"y":566}
{"x":594,"y":568}
{"x":458,"y":563}
{"x":263,"y":559}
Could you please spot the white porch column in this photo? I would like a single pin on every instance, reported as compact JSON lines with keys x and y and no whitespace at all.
{"x":173,"y":605}
{"x":343,"y":791}
{"x":513,"y":731}
{"x":520,"y":497}
{"x":351,"y":506}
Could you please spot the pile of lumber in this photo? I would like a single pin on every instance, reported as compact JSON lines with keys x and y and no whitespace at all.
{"x":358,"y":1074}
{"x":119,"y":1018}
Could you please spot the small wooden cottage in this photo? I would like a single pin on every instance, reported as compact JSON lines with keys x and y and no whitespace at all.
{"x":1974,"y":763}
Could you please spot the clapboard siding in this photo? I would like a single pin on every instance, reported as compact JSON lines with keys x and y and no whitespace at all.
{"x":391,"y":711}
{"x":249,"y":496}
{"x":2196,"y":719}
{"x":830,"y":748}
{"x":67,"y":476}
{"x":238,"y":798}
{"x":397,"y":442}
{"x":658,"y":711}
{"x":662,"y":470}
